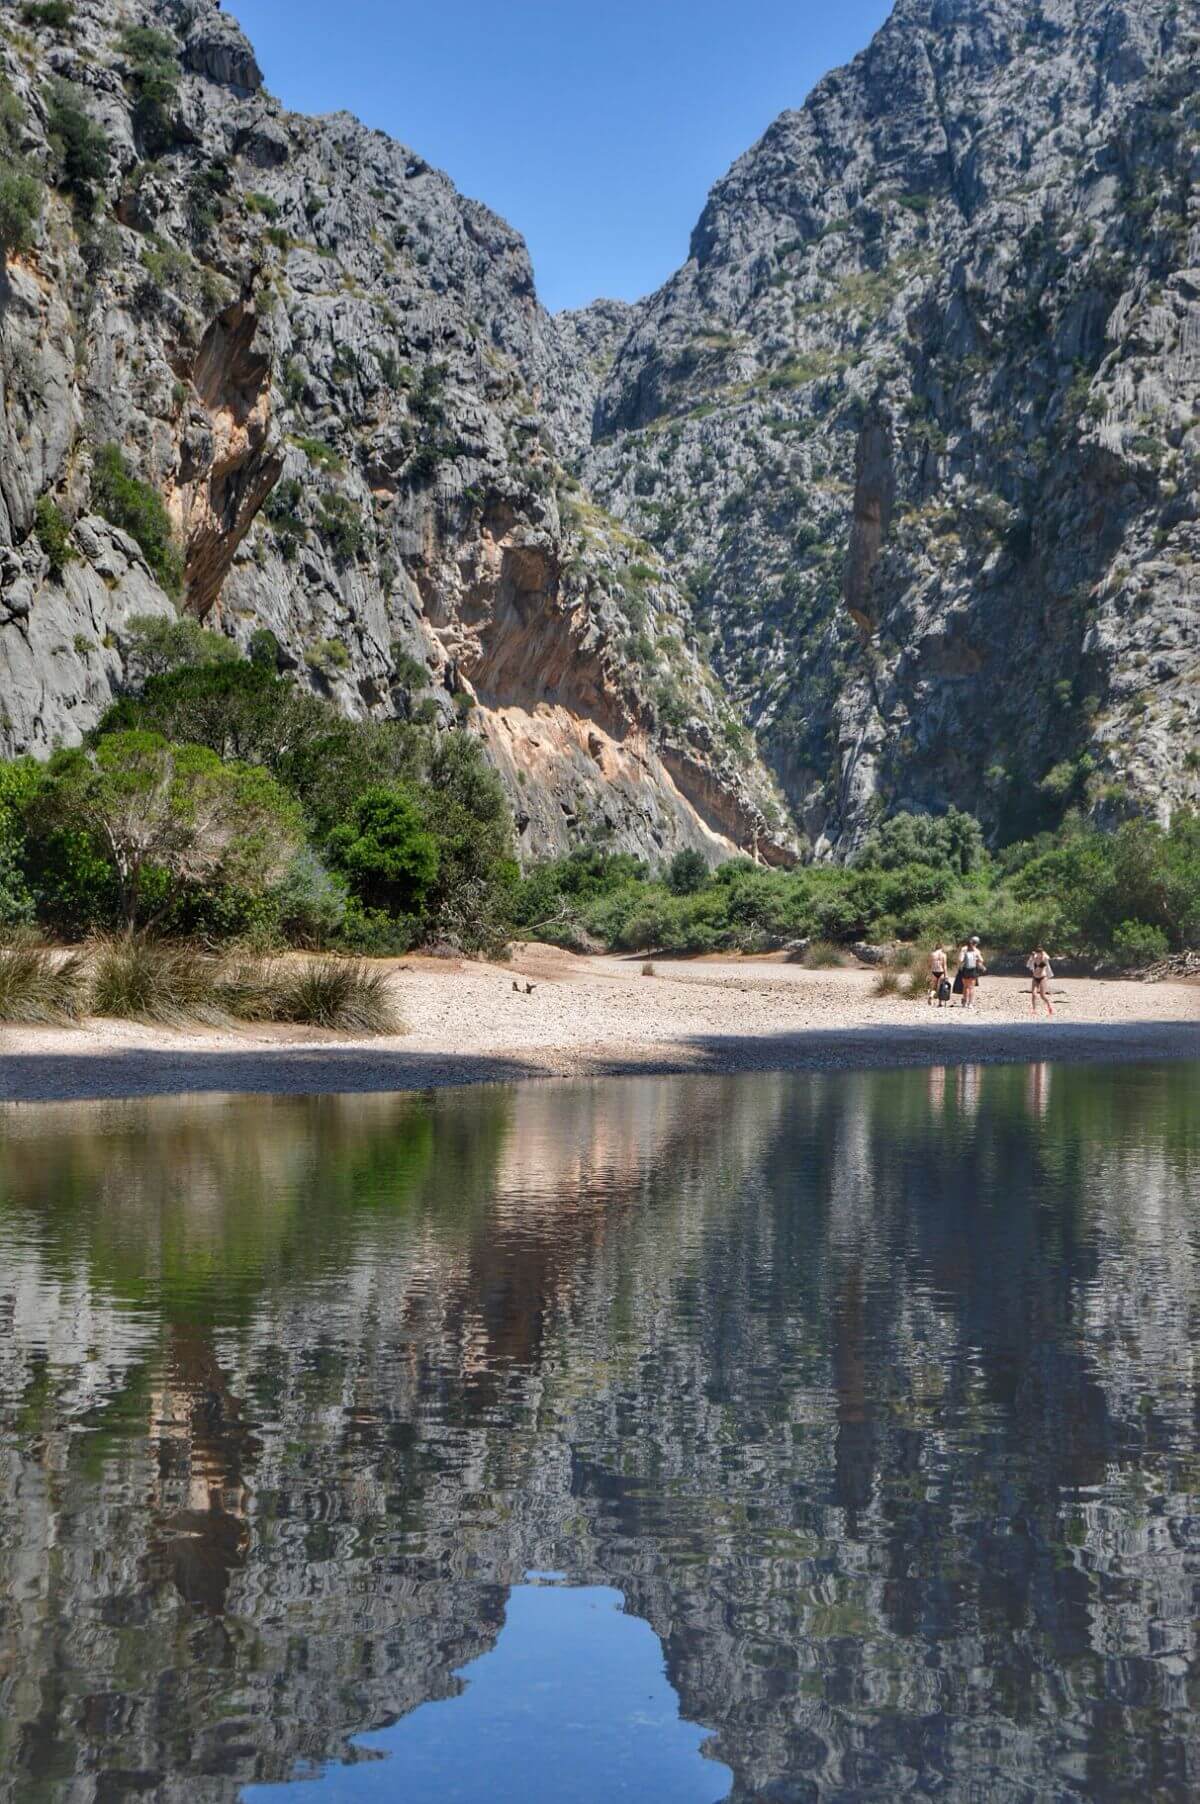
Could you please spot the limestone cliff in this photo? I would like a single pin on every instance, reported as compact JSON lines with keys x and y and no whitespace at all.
{"x":920,"y":419}
{"x":335,"y":371}
{"x":907,"y":451}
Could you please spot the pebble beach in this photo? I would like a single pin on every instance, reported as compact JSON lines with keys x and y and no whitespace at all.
{"x":550,"y":1014}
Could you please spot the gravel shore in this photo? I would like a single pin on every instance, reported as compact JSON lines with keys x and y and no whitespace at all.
{"x":589,"y":1017}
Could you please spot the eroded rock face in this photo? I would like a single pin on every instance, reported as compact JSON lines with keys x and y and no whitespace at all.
{"x":908,"y":450}
{"x":335,"y":370}
{"x":216,"y":46}
{"x":919,"y":418}
{"x":233,"y":458}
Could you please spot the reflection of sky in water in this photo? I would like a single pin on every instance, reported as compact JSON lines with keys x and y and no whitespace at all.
{"x":572,"y":1704}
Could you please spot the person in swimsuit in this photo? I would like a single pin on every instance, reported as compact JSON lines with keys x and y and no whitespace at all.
{"x":970,"y":968}
{"x":937,"y":972}
{"x":1039,"y":968}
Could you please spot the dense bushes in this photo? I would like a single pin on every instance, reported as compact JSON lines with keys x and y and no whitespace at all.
{"x":1127,"y":896}
{"x":1137,"y":889}
{"x":225,"y":802}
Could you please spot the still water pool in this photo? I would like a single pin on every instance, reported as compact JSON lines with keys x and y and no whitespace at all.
{"x":781,"y":1438}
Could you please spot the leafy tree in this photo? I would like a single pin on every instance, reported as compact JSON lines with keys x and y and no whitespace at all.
{"x":19,"y":781}
{"x":1135,"y":943}
{"x":467,"y":812}
{"x":139,"y":510}
{"x":310,"y":902}
{"x":687,"y":872}
{"x":149,"y":806}
{"x":157,"y":643}
{"x":237,"y":709}
{"x":953,"y":839}
{"x":246,"y":711}
{"x":386,"y":851}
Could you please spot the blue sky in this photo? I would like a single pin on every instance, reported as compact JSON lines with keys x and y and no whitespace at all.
{"x":595,"y":129}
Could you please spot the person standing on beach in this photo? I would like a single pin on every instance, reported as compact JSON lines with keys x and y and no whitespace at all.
{"x":937,"y":972}
{"x":1039,"y":968}
{"x":970,"y":969}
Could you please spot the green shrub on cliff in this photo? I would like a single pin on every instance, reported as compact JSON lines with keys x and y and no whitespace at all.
{"x":54,"y":536}
{"x":139,"y":510}
{"x":21,"y":192}
{"x":80,"y":146}
{"x":20,"y":205}
{"x":153,"y":61}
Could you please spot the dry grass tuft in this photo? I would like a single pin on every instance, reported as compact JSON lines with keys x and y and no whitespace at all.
{"x":823,"y":956}
{"x":169,"y":983}
{"x":173,"y":984}
{"x":40,"y":988}
{"x":340,"y":993}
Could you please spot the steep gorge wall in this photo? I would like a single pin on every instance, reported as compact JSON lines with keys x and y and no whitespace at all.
{"x":895,"y":481}
{"x":920,"y":420}
{"x":336,"y":372}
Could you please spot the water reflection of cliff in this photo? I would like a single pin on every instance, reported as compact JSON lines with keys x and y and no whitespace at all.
{"x":876,"y":1398}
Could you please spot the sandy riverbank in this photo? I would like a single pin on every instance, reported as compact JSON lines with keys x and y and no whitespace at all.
{"x":600,"y":1016}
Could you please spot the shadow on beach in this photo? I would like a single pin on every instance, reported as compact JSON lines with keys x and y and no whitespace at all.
{"x":309,"y":1070}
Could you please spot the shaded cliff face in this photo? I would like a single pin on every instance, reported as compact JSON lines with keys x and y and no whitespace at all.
{"x":920,"y":419}
{"x":335,"y":370}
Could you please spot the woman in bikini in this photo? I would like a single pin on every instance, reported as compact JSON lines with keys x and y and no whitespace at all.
{"x":937,"y":973}
{"x":1039,"y":968}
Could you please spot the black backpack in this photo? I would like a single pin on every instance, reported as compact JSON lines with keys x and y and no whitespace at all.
{"x":944,"y":990}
